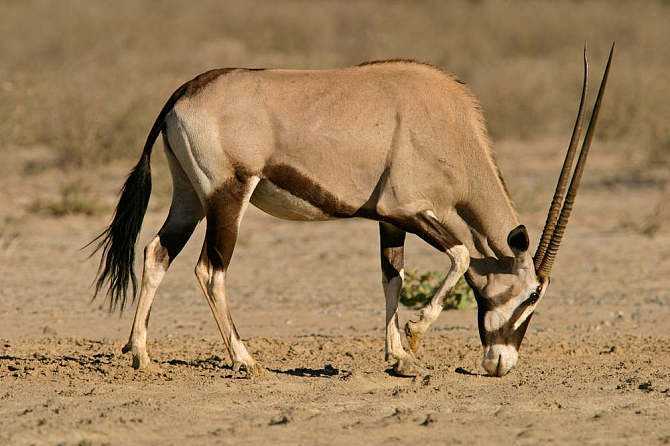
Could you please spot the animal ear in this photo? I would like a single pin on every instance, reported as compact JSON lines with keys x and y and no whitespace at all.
{"x":518,"y":240}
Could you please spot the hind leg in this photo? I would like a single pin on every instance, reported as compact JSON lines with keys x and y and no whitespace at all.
{"x":225,"y":208}
{"x":185,"y":213}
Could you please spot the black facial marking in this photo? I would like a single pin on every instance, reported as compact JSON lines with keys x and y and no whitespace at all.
{"x":506,"y":334}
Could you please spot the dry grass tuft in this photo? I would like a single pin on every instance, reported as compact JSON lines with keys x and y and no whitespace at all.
{"x":74,"y":199}
{"x":9,"y":236}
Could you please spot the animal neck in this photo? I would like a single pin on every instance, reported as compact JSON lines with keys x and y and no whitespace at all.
{"x":490,"y":216}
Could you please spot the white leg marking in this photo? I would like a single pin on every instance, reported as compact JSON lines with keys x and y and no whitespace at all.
{"x":460,"y":260}
{"x":155,"y":266}
{"x":393,"y":344}
{"x":212,"y":283}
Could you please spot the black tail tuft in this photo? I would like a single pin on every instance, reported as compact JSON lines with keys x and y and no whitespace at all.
{"x":117,"y":242}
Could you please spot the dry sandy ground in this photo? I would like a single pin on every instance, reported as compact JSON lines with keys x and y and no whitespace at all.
{"x":594,"y":368}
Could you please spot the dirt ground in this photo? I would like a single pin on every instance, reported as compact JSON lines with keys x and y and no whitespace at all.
{"x":594,"y":367}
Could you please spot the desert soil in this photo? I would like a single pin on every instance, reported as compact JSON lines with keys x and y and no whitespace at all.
{"x":594,"y":367}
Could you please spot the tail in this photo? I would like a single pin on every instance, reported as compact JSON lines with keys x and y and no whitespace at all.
{"x":117,"y":242}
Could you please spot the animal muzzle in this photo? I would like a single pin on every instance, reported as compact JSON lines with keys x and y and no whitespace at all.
{"x":499,"y":359}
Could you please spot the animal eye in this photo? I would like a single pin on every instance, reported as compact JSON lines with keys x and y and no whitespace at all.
{"x":534,"y":296}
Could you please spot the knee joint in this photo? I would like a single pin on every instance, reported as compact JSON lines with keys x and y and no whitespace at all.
{"x":460,"y":258}
{"x":155,"y":254}
{"x":202,"y":270}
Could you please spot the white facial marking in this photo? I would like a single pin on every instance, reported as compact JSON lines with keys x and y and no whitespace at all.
{"x":499,"y":359}
{"x":493,"y":320}
{"x":524,"y":316}
{"x":496,"y":318}
{"x":500,"y":315}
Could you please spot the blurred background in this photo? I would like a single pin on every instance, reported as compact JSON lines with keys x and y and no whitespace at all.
{"x":85,"y":79}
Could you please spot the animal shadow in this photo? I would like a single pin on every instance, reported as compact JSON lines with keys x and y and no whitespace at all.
{"x":463,"y":371}
{"x":326,"y":372}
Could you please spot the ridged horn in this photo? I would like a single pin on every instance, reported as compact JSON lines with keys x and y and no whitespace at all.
{"x":564,"y":177}
{"x":562,"y":222}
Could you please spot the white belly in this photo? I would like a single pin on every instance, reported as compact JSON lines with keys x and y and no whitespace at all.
{"x":282,"y":204}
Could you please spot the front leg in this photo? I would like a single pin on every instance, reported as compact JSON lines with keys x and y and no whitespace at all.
{"x":392,"y":242}
{"x":415,"y":330}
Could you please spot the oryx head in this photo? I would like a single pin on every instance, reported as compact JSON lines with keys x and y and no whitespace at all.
{"x":508,"y":293}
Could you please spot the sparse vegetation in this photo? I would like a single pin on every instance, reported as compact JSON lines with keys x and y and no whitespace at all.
{"x":9,"y":235}
{"x":654,"y":222}
{"x":90,"y":77}
{"x":419,"y":287}
{"x":74,"y":199}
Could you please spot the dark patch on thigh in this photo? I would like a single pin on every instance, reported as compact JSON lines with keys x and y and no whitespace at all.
{"x":291,"y":180}
{"x":174,"y":241}
{"x":223,"y":211}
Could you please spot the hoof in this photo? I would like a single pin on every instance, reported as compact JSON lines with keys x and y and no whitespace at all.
{"x":409,"y":368}
{"x":253,"y":370}
{"x":413,"y":335}
{"x":126,"y":348}
{"x":141,"y":361}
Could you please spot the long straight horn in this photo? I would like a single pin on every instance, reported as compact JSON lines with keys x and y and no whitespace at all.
{"x":562,"y":185}
{"x":561,"y":224}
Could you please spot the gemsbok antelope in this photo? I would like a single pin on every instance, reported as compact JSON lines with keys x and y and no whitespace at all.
{"x":396,"y":141}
